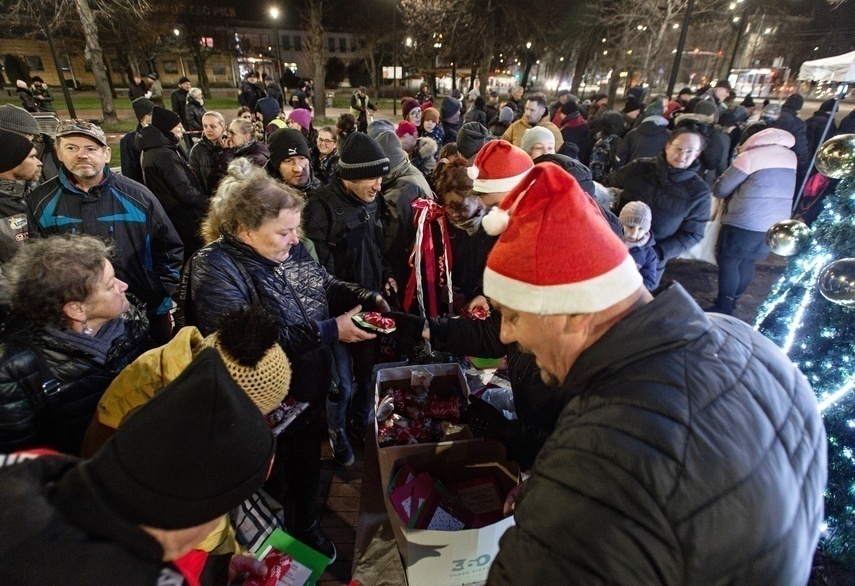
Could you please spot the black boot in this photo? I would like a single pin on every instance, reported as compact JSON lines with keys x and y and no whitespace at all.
{"x":724,"y":304}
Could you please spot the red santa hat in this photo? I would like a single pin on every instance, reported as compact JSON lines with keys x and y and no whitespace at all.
{"x":557,"y":255}
{"x":499,"y":166}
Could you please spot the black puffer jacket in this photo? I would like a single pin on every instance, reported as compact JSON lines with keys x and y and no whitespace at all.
{"x":208,"y":164}
{"x":348,"y":235}
{"x":299,"y":292}
{"x":168,"y":175}
{"x":647,"y":140}
{"x":537,"y":404}
{"x":194,"y":110}
{"x":27,"y":418}
{"x":691,"y":452}
{"x":679,"y":199}
{"x":148,"y":250}
{"x":130,"y":156}
{"x":55,"y":520}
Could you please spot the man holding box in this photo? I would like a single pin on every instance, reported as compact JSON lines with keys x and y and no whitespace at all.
{"x":690,"y":450}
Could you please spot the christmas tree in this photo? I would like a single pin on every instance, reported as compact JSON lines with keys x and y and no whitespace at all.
{"x":819,"y":337}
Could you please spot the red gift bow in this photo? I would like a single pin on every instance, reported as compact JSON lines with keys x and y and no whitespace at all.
{"x":428,"y":212}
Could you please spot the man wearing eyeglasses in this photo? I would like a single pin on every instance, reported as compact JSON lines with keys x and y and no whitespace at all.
{"x":670,"y":185}
{"x":88,"y":198}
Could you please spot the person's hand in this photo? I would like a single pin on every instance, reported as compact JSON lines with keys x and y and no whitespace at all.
{"x":380,"y":304}
{"x":391,"y":287}
{"x":478,"y":301}
{"x":407,"y":326}
{"x":242,"y":567}
{"x":348,"y":331}
{"x":512,"y":498}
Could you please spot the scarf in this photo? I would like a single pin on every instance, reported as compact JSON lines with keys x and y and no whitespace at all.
{"x":97,"y":346}
{"x":473,"y":224}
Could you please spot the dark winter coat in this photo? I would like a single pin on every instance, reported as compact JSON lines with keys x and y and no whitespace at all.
{"x":648,"y":140}
{"x":324,"y":169}
{"x":137,"y":91}
{"x":148,"y":250}
{"x":57,"y":529}
{"x":646,"y":260}
{"x":790,"y":121}
{"x":449,"y":131}
{"x":715,"y":156}
{"x":194,"y":111}
{"x":208,"y":164}
{"x":537,"y":404}
{"x":275,"y":91}
{"x":678,"y":198}
{"x":30,"y":357}
{"x":476,"y":114}
{"x":28,"y":103}
{"x":250,"y":93}
{"x":254,"y":150}
{"x":130,"y":154}
{"x":401,"y":187}
{"x":13,"y":217}
{"x":43,"y":99}
{"x":469,"y":255}
{"x":179,"y":104}
{"x":847,"y":125}
{"x":299,"y":293}
{"x":348,"y":235}
{"x":574,"y":130}
{"x":814,"y":127}
{"x":691,"y":451}
{"x":168,"y":175}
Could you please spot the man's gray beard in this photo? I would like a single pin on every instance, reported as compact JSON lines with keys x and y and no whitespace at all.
{"x":82,"y":175}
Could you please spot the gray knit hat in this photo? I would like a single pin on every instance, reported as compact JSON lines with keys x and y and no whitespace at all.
{"x":471,"y":138}
{"x":636,"y":213}
{"x":18,"y":120}
{"x":535,"y":135}
{"x":362,"y":157}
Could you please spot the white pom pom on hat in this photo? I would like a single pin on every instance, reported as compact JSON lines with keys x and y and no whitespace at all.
{"x":472,"y":172}
{"x":496,"y":221}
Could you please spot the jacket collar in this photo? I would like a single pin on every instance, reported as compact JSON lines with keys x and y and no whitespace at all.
{"x":671,"y":320}
{"x":67,"y":183}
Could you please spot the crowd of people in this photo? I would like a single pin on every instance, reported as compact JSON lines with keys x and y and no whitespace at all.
{"x":152,"y":318}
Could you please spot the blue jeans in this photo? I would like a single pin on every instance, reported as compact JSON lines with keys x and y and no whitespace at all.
{"x":354,"y":364}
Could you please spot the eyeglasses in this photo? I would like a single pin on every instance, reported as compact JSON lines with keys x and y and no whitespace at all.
{"x":326,"y":141}
{"x":682,"y":151}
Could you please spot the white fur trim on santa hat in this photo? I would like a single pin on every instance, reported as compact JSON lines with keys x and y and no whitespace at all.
{"x":593,"y":295}
{"x":497,"y":185}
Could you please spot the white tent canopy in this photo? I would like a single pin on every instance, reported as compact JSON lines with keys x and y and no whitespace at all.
{"x":840,"y":68}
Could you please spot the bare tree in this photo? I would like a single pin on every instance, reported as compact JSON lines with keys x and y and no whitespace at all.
{"x":313,"y":25}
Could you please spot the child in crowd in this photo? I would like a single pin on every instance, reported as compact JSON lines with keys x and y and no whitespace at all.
{"x":430,"y":126}
{"x":635,"y":217}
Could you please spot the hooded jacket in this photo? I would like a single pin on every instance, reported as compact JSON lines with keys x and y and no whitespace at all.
{"x":647,"y":140}
{"x":690,"y":451}
{"x":254,"y":150}
{"x":58,"y":529}
{"x":574,"y":129}
{"x":299,"y":293}
{"x":149,"y":252}
{"x":758,"y":186}
{"x":130,"y":155}
{"x":678,"y":198}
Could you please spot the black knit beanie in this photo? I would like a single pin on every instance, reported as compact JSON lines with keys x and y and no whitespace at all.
{"x":142,"y":106}
{"x":164,"y":120}
{"x":194,"y":452}
{"x":16,"y":148}
{"x":286,"y":143}
{"x":362,"y":157}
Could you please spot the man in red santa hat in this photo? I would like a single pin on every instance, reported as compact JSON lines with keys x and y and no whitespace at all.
{"x":690,"y":449}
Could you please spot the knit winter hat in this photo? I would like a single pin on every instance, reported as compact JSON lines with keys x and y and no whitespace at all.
{"x":17,"y":120}
{"x":727,"y":118}
{"x":448,"y":107}
{"x":286,"y":143}
{"x":362,"y":157}
{"x":506,"y":114}
{"x":827,"y":105}
{"x":193,"y":453}
{"x":379,"y":126}
{"x":535,"y":135}
{"x":164,"y":120}
{"x":632,"y":104}
{"x":636,"y":213}
{"x":391,"y":146}
{"x":685,"y":91}
{"x":430,"y":114}
{"x":152,"y":76}
{"x":707,"y":110}
{"x":183,"y":79}
{"x":654,"y":109}
{"x":498,"y":167}
{"x":740,"y":114}
{"x":771,"y":110}
{"x":569,"y":107}
{"x":16,"y":148}
{"x":408,"y":105}
{"x":302,"y":117}
{"x":406,"y":127}
{"x":471,"y":138}
{"x":142,"y":106}
{"x":795,"y":101}
{"x":557,"y":256}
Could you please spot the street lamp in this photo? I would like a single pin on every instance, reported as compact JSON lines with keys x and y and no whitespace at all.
{"x":274,"y":14}
{"x":176,"y":32}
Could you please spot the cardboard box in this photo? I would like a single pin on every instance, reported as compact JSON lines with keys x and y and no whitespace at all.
{"x":451,"y":558}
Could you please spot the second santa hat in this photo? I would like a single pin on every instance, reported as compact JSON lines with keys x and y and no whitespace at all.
{"x":557,"y":254}
{"x":498,"y":167}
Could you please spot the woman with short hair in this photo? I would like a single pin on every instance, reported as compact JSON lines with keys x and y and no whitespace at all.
{"x":243,"y":143}
{"x":73,"y":331}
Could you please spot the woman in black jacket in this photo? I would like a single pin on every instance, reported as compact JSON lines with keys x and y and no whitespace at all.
{"x":258,"y":259}
{"x":167,"y":174}
{"x":194,"y":111}
{"x":73,"y":331}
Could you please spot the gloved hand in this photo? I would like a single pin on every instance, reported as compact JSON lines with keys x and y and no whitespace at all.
{"x":485,"y":420}
{"x":407,"y":326}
